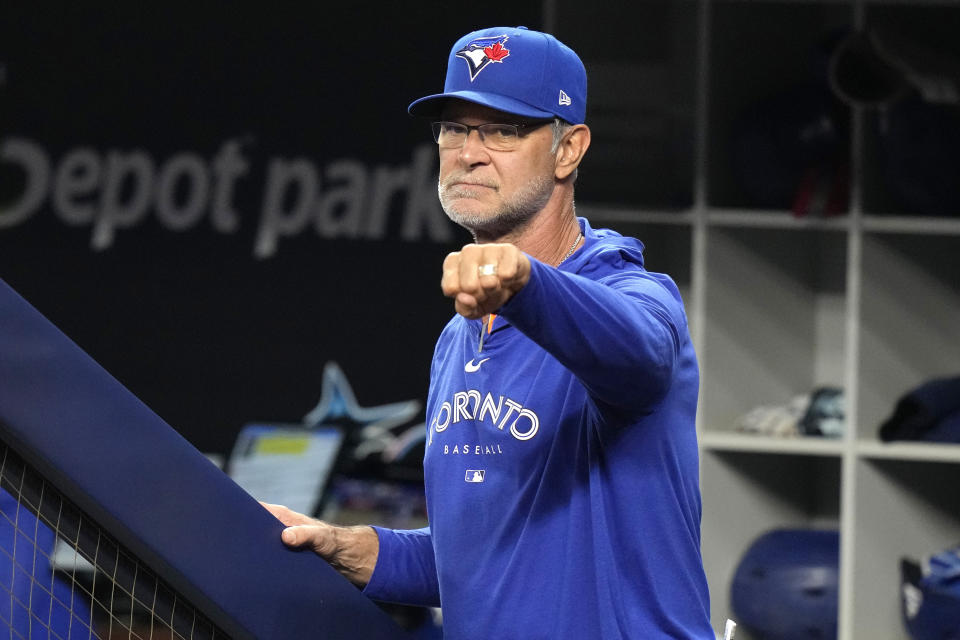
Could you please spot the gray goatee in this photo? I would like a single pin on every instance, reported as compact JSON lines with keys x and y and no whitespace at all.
{"x":513,"y":215}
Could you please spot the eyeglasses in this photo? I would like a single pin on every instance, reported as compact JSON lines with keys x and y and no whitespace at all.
{"x":497,"y":137}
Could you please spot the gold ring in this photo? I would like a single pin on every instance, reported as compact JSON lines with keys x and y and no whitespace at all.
{"x":487,"y":269}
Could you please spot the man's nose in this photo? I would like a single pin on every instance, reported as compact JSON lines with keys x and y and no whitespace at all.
{"x":473,"y":150}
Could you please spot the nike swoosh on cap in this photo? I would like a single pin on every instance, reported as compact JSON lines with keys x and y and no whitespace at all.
{"x":470,"y":367}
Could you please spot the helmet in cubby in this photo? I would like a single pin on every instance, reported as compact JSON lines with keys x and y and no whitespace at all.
{"x":930,"y":599}
{"x":786,"y":585}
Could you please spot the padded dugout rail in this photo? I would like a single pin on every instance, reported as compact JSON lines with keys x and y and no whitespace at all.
{"x":162,"y":500}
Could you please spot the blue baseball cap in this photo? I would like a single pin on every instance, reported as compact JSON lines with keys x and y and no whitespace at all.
{"x":516,"y":70}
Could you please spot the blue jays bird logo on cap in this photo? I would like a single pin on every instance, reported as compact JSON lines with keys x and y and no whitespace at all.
{"x":481,"y":52}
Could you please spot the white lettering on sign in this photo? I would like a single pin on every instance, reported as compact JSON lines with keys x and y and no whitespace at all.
{"x":118,"y":189}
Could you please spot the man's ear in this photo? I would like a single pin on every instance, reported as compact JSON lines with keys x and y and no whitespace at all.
{"x":572,"y":148}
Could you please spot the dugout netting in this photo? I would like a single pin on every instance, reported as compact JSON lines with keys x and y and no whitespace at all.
{"x":62,"y":577}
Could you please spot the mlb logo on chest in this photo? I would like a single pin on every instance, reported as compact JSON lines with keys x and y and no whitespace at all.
{"x":475,"y":475}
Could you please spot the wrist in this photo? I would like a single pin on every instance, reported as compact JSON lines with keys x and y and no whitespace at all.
{"x":357,"y":550}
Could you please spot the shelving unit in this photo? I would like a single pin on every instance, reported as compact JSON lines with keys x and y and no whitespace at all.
{"x":867,"y":299}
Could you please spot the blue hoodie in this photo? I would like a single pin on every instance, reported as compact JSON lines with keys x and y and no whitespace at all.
{"x":561,"y":466}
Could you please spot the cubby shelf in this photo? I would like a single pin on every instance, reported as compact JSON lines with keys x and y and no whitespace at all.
{"x":917,"y":451}
{"x":867,"y":299}
{"x":912,"y":225}
{"x":719,"y":441}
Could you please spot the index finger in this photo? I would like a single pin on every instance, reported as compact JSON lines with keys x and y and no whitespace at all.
{"x":286,"y":515}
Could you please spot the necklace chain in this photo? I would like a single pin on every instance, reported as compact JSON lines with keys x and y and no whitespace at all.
{"x":573,"y":248}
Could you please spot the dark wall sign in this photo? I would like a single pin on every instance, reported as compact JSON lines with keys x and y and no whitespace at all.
{"x":215,"y":202}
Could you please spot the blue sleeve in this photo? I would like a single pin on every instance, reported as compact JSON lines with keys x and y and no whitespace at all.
{"x":406,"y":572}
{"x":620,"y":335}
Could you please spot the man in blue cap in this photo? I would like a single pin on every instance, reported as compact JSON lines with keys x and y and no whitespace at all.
{"x":561,"y":466}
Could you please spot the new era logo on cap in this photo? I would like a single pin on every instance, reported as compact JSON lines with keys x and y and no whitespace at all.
{"x":564,"y":100}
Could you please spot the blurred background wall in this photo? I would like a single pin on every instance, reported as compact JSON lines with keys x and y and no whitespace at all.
{"x":215,"y":201}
